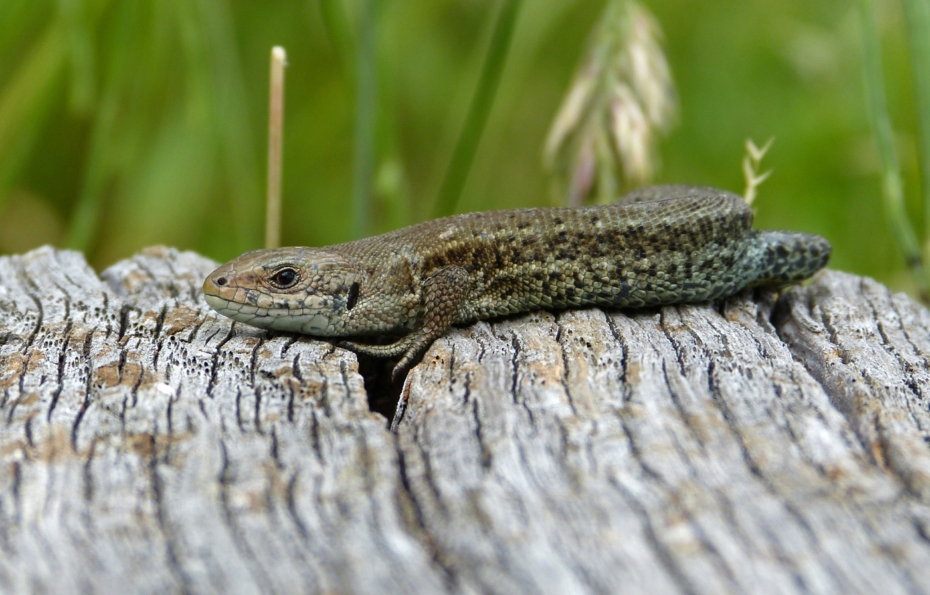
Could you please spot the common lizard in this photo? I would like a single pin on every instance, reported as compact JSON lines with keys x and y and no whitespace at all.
{"x":659,"y":245}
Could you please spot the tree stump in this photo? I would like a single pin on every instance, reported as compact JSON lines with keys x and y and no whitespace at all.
{"x":761,"y":444}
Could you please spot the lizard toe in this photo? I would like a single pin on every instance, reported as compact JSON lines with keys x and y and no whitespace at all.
{"x":390,"y":350}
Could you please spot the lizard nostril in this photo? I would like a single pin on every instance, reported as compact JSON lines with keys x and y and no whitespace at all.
{"x":221,"y":281}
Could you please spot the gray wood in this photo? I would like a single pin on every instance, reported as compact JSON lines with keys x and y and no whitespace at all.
{"x":756,"y":445}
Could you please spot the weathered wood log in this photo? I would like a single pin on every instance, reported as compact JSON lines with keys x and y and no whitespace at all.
{"x":750,"y":446}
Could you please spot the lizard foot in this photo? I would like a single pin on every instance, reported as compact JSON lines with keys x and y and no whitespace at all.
{"x":409,"y":347}
{"x":390,"y":350}
{"x":443,"y":293}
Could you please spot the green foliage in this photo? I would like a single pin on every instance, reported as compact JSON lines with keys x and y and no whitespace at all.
{"x":892,"y":186}
{"x":134,"y":123}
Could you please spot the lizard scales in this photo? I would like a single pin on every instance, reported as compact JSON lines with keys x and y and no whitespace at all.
{"x":660,"y":245}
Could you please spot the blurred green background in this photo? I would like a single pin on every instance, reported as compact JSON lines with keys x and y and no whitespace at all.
{"x":130,"y":123}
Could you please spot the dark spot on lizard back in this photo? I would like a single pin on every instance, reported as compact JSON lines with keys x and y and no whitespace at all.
{"x":499,"y":259}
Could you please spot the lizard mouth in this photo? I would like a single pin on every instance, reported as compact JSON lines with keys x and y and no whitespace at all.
{"x":307,"y":319}
{"x":246,"y":313}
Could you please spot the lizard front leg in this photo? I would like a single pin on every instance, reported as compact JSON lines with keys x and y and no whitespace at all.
{"x":444,"y":292}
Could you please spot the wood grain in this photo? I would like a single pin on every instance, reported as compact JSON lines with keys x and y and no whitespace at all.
{"x":148,"y":445}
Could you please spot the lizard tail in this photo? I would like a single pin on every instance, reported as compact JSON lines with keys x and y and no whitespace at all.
{"x":788,"y":257}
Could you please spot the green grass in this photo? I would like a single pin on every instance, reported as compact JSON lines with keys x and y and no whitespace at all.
{"x":135,"y":123}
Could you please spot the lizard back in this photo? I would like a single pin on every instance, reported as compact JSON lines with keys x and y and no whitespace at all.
{"x":693,"y":247}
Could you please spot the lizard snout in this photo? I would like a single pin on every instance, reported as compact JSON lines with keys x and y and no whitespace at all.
{"x":217,"y":280}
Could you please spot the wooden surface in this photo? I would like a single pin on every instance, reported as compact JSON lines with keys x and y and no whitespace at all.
{"x":750,"y":446}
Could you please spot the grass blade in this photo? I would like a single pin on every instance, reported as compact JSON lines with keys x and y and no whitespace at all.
{"x":27,"y":102}
{"x":892,"y":185}
{"x":275,"y":142}
{"x":337,"y":30}
{"x":464,"y":153}
{"x":918,"y":23}
{"x":366,"y":108}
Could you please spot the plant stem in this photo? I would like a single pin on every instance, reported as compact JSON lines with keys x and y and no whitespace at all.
{"x":366,"y":104}
{"x":464,"y":153}
{"x":892,"y":185}
{"x":275,"y":148}
{"x":917,"y":17}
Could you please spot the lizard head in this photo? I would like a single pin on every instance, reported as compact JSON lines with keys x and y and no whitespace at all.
{"x":301,"y":290}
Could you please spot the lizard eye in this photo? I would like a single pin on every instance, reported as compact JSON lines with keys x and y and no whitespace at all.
{"x":352,"y":298}
{"x":285,"y":278}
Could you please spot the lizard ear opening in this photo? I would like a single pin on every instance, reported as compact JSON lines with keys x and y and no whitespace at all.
{"x":352,"y":299}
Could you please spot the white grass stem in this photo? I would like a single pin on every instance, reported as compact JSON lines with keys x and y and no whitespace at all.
{"x":275,"y":148}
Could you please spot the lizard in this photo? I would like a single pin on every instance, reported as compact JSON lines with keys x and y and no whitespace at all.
{"x":656,"y":246}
